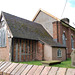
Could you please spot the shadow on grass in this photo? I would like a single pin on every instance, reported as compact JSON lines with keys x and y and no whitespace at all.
{"x":64,"y":64}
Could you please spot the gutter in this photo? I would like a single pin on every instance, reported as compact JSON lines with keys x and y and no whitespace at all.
{"x":67,"y":25}
{"x":57,"y":33}
{"x":66,"y":53}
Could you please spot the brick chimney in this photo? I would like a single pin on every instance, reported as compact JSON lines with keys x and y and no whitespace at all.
{"x":66,"y":20}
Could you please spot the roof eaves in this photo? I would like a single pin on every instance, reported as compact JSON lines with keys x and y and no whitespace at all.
{"x":36,"y":15}
{"x":6,"y":22}
{"x":59,"y":46}
{"x":25,"y":38}
{"x":45,"y":13}
{"x":67,"y":25}
{"x":50,"y":15}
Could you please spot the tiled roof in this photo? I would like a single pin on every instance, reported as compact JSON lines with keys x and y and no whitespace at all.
{"x":22,"y":28}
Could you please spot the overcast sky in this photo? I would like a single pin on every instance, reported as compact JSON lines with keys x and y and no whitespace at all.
{"x":28,"y":8}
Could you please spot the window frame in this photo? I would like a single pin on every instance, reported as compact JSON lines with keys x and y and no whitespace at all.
{"x":58,"y":55}
{"x":3,"y":37}
{"x":3,"y":33}
{"x":72,"y":42}
{"x":64,"y":39}
{"x":3,"y":23}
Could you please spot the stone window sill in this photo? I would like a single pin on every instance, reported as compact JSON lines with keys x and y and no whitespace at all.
{"x":59,"y":56}
{"x":73,"y":49}
{"x":3,"y":47}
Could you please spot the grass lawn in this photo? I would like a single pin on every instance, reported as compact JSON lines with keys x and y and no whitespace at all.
{"x":32,"y":62}
{"x":64,"y":64}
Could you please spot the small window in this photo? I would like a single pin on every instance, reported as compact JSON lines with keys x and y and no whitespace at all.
{"x":2,"y":23}
{"x":59,"y":53}
{"x":72,"y":42}
{"x":64,"y":39}
{"x":2,"y":37}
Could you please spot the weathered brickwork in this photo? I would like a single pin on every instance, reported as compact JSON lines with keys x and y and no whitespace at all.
{"x":58,"y":30}
{"x":40,"y":51}
{"x":50,"y":53}
{"x":27,"y":50}
{"x":55,"y":31}
{"x":63,"y":54}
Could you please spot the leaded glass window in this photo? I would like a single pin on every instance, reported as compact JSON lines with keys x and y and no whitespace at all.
{"x":2,"y":37}
{"x":72,"y":42}
{"x":59,"y":54}
{"x":64,"y":39}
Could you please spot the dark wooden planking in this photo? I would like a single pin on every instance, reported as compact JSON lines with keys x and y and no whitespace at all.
{"x":24,"y":50}
{"x":16,"y":58}
{"x":20,"y":50}
{"x":26,"y":70}
{"x":39,"y":70}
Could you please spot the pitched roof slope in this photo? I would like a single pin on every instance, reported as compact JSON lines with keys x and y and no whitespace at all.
{"x":22,"y":28}
{"x":40,"y":10}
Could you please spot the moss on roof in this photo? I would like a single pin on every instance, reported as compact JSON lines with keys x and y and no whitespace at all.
{"x":22,"y":28}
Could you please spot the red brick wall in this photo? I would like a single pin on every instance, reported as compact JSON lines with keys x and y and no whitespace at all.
{"x":23,"y":42}
{"x":40,"y":51}
{"x":4,"y":51}
{"x":54,"y":54}
{"x":36,"y":50}
{"x":58,"y":35}
{"x":55,"y":30}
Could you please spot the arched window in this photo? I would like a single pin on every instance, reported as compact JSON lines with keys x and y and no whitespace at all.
{"x":59,"y":53}
{"x":64,"y":39}
{"x":2,"y":33}
{"x":72,"y":42}
{"x":2,"y":37}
